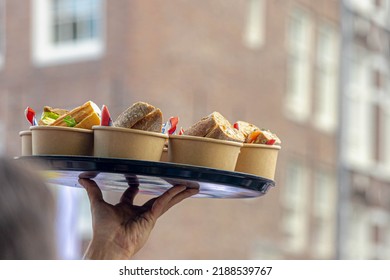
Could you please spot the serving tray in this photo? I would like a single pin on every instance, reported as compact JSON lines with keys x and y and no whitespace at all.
{"x":154,"y":178}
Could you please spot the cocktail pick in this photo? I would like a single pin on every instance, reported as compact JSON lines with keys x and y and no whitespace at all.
{"x":170,"y":126}
{"x":30,"y":116}
{"x":105,"y":117}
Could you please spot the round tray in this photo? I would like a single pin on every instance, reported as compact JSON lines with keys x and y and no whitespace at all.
{"x":154,"y":178}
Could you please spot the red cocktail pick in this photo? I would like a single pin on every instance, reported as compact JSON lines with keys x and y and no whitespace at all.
{"x":30,"y":116}
{"x":105,"y":117}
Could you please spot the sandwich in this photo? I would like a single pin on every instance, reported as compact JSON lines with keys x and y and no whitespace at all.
{"x":245,"y":127}
{"x":255,"y":135}
{"x":215,"y":126}
{"x":49,"y":115}
{"x":141,"y":116}
{"x":84,"y":116}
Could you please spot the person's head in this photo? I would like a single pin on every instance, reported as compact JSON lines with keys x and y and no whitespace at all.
{"x":27,"y":213}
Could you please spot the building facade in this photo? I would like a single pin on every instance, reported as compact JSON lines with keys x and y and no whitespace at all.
{"x":365,"y":160}
{"x":272,"y":63}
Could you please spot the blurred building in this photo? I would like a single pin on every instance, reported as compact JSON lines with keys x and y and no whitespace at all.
{"x":365,"y":158}
{"x":273,"y":63}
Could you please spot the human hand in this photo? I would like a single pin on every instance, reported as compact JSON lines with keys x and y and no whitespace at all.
{"x":121,"y":230}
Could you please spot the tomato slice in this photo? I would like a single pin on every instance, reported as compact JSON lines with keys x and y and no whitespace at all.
{"x":271,"y":142}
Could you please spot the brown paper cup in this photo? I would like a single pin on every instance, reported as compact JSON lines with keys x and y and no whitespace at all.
{"x":201,"y":151}
{"x":164,"y":155}
{"x":118,"y":142}
{"x":26,"y":142}
{"x":258,"y":159}
{"x":59,"y":140}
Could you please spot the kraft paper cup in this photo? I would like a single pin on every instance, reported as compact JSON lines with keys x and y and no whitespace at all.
{"x":202,"y":151}
{"x":164,"y":155}
{"x":118,"y":142}
{"x":258,"y":159}
{"x":59,"y":140}
{"x":26,"y":142}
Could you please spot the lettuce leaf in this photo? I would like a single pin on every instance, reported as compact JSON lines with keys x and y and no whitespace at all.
{"x":71,"y":122}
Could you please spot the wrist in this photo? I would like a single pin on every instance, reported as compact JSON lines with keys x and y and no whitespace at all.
{"x":106,"y":251}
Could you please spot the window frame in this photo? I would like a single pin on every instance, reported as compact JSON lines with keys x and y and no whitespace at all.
{"x":255,"y":26}
{"x":324,"y":213}
{"x":325,"y":111}
{"x":299,"y":62}
{"x":367,"y":104}
{"x":295,"y":202}
{"x":45,"y":52}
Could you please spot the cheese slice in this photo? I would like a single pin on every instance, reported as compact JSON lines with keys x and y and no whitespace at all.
{"x":89,"y":122}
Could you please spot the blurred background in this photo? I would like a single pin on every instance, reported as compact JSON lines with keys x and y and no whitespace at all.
{"x":315,"y":72}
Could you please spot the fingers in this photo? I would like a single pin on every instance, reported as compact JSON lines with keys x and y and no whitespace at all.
{"x":129,"y":195}
{"x":94,"y":193}
{"x":162,"y":201}
{"x":181,"y":196}
{"x":149,"y":204}
{"x":132,"y":180}
{"x":170,"y":198}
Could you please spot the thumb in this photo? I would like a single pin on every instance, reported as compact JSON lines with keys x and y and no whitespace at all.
{"x":94,"y":193}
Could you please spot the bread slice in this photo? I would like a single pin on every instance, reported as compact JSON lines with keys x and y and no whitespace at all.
{"x":151,"y":122}
{"x":133,"y":114}
{"x":226,"y":133}
{"x":215,"y":126}
{"x":204,"y":126}
{"x":76,"y":116}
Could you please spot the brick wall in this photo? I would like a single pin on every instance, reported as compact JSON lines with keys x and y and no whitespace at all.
{"x":189,"y":59}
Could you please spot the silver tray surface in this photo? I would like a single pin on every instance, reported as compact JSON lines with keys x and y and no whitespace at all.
{"x":154,"y":178}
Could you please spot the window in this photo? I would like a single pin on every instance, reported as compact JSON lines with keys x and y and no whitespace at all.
{"x":369,"y":112}
{"x":67,"y":30}
{"x":381,"y":111}
{"x":386,"y":138}
{"x":295,"y":214}
{"x":299,"y":44}
{"x":359,"y":233}
{"x":74,"y":22}
{"x":325,"y":103}
{"x":376,"y":10}
{"x":2,"y":32}
{"x":324,"y":209}
{"x":369,"y":233}
{"x":359,"y":118}
{"x":254,"y":36}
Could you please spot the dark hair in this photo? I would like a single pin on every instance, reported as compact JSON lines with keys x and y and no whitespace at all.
{"x":27,"y":213}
